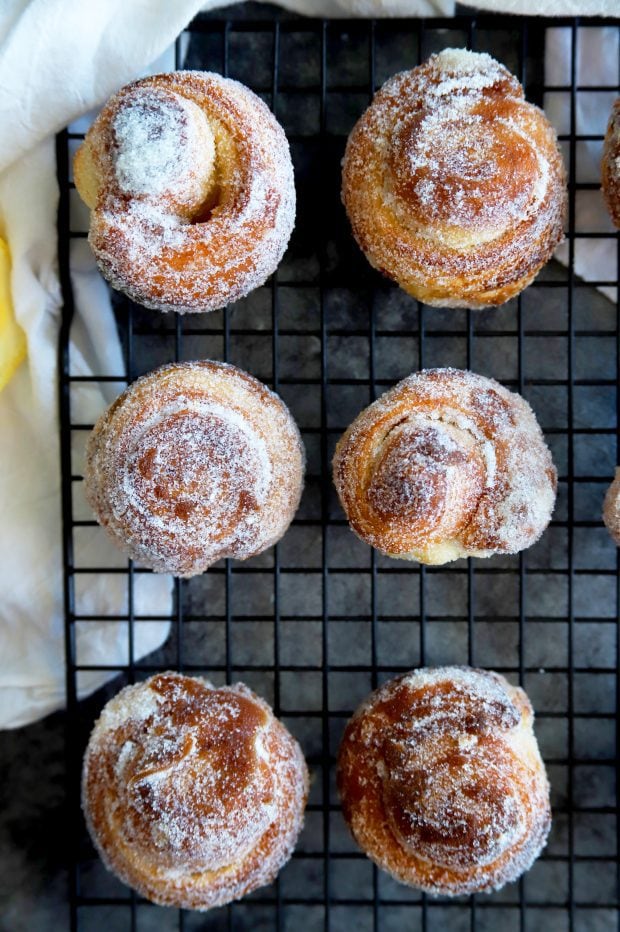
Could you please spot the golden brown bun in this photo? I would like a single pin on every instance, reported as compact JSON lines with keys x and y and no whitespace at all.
{"x":611,"y":509}
{"x":454,"y":184}
{"x":610,"y":165}
{"x":193,"y":796}
{"x":194,"y":462}
{"x":446,"y":464}
{"x":442,"y":783}
{"x":190,"y":182}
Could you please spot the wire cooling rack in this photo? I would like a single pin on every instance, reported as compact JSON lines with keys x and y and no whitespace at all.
{"x":321,"y":619}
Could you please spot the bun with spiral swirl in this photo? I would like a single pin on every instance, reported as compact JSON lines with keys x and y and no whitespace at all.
{"x":194,"y":462}
{"x":442,"y":783}
{"x":454,"y":184}
{"x":192,"y":795}
{"x":610,"y":165}
{"x":190,"y":182}
{"x":611,"y":508}
{"x":446,"y":464}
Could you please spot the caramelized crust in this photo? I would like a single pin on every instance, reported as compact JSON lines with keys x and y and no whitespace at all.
{"x":190,"y":182}
{"x":442,"y":783}
{"x":611,"y":509}
{"x":454,"y":184}
{"x":446,"y":464}
{"x":194,"y":796}
{"x":192,"y":463}
{"x":610,"y":165}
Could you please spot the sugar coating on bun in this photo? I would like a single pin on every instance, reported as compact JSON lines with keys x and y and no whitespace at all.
{"x":162,"y":146}
{"x":193,"y":795}
{"x":611,"y":509}
{"x":192,"y":463}
{"x":610,"y":165}
{"x":446,"y":464}
{"x":190,"y":182}
{"x":442,"y":783}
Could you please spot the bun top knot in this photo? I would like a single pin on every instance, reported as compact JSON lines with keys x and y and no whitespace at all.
{"x":162,"y":147}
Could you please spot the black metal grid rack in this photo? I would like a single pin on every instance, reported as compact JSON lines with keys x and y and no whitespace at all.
{"x":320,"y":620}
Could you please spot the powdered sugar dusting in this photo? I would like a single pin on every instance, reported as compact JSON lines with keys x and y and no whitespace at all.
{"x":156,"y":249}
{"x":611,"y":508}
{"x":176,"y":450}
{"x":196,"y":461}
{"x":193,"y":795}
{"x":453,"y":183}
{"x":444,"y":465}
{"x":442,"y":783}
{"x":163,"y":145}
{"x":460,"y":62}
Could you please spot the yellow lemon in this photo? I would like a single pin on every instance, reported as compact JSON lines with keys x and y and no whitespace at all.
{"x":12,"y":337}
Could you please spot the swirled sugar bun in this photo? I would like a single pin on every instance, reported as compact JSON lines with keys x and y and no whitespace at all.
{"x":194,"y":462}
{"x":611,"y":509}
{"x":446,"y":464}
{"x":442,"y":783}
{"x":610,"y":165}
{"x":454,"y":184}
{"x":190,"y":184}
{"x":194,"y":796}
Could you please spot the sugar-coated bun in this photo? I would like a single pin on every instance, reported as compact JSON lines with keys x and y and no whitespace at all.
{"x":194,"y":462}
{"x":442,"y":783}
{"x":610,"y":165}
{"x":454,"y":183}
{"x":190,"y":182}
{"x":194,"y":796}
{"x":446,"y":464}
{"x":611,"y":509}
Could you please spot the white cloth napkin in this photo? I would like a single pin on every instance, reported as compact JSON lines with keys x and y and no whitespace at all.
{"x":58,"y":60}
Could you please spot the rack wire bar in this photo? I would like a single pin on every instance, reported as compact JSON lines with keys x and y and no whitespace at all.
{"x":320,"y":620}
